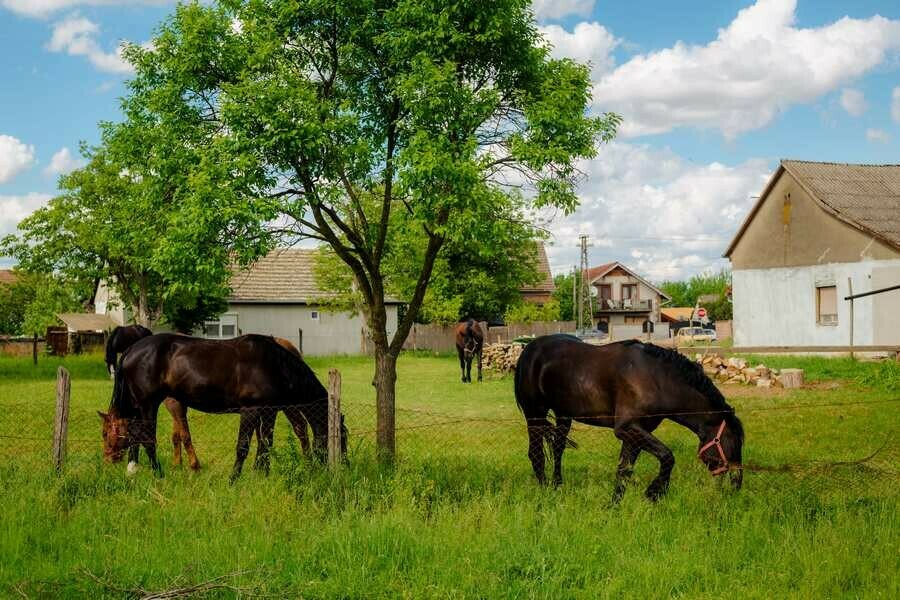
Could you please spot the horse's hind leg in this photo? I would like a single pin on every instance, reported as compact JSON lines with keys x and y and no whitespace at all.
{"x":245,"y":432}
{"x":627,"y":457}
{"x":181,"y":412}
{"x":264,"y":437}
{"x":537,"y":430}
{"x":644,"y":440}
{"x":560,"y":437}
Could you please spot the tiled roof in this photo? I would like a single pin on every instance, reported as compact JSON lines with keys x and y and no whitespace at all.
{"x":7,"y":277}
{"x":866,"y":197}
{"x":284,"y":276}
{"x":543,"y":266}
{"x":596,"y":272}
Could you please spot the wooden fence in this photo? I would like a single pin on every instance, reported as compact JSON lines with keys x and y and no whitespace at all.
{"x":440,"y":338}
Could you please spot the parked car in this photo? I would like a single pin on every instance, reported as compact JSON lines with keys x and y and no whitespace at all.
{"x":695,"y":334}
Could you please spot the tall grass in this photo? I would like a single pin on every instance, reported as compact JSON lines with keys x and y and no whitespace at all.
{"x":459,"y":515}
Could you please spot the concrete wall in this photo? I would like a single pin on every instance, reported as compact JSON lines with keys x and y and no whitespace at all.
{"x":332,"y":333}
{"x":631,"y":332}
{"x":802,"y":235}
{"x":777,"y":307}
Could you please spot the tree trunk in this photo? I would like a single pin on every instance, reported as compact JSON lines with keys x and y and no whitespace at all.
{"x":385,"y":383}
{"x":143,"y":309}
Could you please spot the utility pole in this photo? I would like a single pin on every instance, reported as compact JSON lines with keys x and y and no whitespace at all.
{"x":584,"y":289}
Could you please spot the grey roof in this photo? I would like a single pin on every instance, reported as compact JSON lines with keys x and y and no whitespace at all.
{"x":87,"y":321}
{"x":284,"y":276}
{"x":866,"y":197}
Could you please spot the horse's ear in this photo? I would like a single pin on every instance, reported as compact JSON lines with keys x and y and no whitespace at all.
{"x":103,"y":416}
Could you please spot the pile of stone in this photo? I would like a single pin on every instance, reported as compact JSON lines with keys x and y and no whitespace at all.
{"x":501,"y":357}
{"x":739,"y":371}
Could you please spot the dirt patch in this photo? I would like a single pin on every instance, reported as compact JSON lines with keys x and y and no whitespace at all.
{"x":752,"y":391}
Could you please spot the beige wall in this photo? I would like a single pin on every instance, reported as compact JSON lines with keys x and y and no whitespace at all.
{"x":885,"y":306}
{"x":812,"y":236}
{"x":644,"y":292}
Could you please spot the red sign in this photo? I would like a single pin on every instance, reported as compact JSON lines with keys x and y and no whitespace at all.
{"x":701,"y":312}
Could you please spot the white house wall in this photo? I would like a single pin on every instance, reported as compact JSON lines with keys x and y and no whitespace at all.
{"x":777,"y":306}
{"x":332,"y":333}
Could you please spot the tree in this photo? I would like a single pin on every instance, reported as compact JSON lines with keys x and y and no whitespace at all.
{"x":686,"y":293}
{"x":364,"y":120}
{"x":562,"y":295}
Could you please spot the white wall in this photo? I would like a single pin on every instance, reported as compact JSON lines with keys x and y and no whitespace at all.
{"x":332,"y":333}
{"x":777,"y":307}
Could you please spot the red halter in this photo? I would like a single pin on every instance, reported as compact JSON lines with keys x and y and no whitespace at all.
{"x":715,"y":442}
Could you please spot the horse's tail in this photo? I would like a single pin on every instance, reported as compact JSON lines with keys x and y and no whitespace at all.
{"x":111,"y":349}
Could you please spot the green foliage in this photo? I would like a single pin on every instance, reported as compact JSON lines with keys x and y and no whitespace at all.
{"x":563,"y":296}
{"x":31,"y":304}
{"x":14,"y":299}
{"x":527,"y":312}
{"x":685,"y":293}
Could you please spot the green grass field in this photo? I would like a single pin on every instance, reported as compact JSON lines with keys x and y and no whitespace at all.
{"x":460,"y":515}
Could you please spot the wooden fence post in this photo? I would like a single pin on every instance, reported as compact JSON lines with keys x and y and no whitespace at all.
{"x":61,"y":425}
{"x":34,"y":351}
{"x":334,"y":419}
{"x":300,"y":340}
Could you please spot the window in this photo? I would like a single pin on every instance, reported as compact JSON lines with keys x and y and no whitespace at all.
{"x":314,"y":315}
{"x":605,"y":291}
{"x":223,"y":328}
{"x":629,"y":291}
{"x":826,"y":305}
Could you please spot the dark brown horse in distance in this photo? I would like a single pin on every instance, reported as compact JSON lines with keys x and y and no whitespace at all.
{"x":469,"y":343}
{"x":251,"y":372}
{"x":628,"y":386}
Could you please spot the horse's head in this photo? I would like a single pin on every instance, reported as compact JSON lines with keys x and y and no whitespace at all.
{"x":720,"y":448}
{"x":115,"y":436}
{"x":470,"y":346}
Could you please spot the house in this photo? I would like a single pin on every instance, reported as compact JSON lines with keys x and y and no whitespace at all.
{"x":676,"y":314}
{"x":278,"y":295}
{"x":542,"y":291}
{"x":816,"y":230}
{"x":622,"y":297}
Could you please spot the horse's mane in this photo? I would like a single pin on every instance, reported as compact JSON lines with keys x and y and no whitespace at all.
{"x":692,"y":374}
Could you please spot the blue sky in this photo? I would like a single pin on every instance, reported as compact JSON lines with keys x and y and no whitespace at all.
{"x":712,"y":93}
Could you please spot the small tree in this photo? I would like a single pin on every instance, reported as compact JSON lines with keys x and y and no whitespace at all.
{"x":364,"y":121}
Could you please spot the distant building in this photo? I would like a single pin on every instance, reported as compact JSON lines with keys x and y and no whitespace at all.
{"x":7,"y":277}
{"x":815,"y":228}
{"x":622,"y":297}
{"x":542,"y":291}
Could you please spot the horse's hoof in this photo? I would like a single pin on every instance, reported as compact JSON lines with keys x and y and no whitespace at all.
{"x":195,"y":466}
{"x":654,"y":493}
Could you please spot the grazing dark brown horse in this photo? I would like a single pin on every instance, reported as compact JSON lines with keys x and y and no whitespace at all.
{"x":628,"y":386}
{"x":469,"y":343}
{"x":216,"y":376}
{"x":120,"y":340}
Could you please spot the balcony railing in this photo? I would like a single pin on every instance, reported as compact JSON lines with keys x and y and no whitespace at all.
{"x":606,"y":304}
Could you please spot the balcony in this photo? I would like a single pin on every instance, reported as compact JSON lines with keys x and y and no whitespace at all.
{"x":608,"y":305}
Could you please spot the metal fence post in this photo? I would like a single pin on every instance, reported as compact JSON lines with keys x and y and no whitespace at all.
{"x":61,"y":424}
{"x":334,"y":419}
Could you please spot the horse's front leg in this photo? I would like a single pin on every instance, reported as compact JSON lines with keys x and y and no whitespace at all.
{"x":245,"y":433}
{"x":560,"y":437}
{"x":264,"y":438}
{"x":468,"y":377}
{"x":462,"y":363}
{"x":645,"y":440}
{"x":148,"y":427}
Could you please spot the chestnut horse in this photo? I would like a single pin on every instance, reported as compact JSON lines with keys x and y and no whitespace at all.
{"x":631,"y":387}
{"x":250,"y":373}
{"x":469,"y":343}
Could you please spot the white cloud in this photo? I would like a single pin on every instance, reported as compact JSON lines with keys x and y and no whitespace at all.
{"x":15,"y":208}
{"x":587,"y":42}
{"x":556,"y":9}
{"x":757,"y":67}
{"x":15,"y":157}
{"x":854,"y":102}
{"x":44,"y":8}
{"x":63,"y":162}
{"x":77,"y":36}
{"x":879,"y":136}
{"x":656,"y":211}
{"x":895,"y":105}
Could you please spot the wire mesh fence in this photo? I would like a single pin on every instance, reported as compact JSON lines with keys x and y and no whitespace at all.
{"x":784,"y":447}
